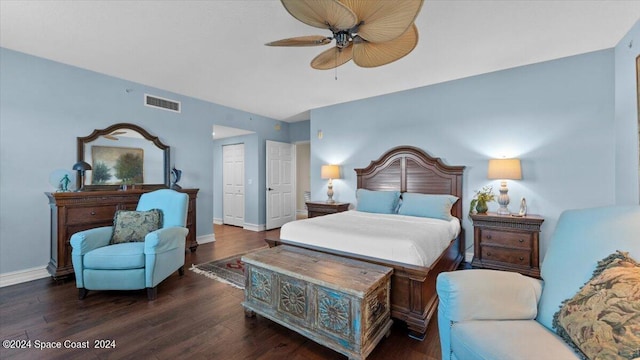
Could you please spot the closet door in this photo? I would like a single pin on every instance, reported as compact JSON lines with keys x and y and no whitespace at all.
{"x":233,"y":184}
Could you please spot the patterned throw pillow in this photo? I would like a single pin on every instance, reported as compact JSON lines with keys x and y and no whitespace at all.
{"x":602,"y":321}
{"x":130,"y":226}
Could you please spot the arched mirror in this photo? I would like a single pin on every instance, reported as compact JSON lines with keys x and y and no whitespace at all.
{"x":123,"y":154}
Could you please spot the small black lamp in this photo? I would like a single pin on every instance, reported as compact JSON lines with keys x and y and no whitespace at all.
{"x":81,"y":167}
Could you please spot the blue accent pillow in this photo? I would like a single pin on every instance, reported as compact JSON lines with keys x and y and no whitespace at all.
{"x":427,"y":205}
{"x":382,"y":202}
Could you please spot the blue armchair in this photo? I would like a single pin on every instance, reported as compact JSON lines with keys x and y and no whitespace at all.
{"x":133,"y":265}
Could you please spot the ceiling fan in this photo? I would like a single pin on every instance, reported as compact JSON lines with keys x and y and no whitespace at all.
{"x":371,"y":32}
{"x":113,"y":135}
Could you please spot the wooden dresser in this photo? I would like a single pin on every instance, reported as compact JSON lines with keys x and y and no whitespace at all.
{"x":320,"y":208}
{"x":507,"y":243}
{"x":77,"y":211}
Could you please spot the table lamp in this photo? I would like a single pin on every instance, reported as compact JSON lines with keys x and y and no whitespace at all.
{"x":330,"y":172}
{"x":81,"y":167}
{"x":504,"y":169}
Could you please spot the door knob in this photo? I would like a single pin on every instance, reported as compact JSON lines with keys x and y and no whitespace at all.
{"x":269,"y":189}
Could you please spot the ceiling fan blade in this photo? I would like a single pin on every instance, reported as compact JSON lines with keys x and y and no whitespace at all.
{"x":314,"y":40}
{"x":384,"y":20}
{"x":112,"y":136}
{"x":324,"y":14}
{"x":332,"y":58}
{"x":371,"y":54}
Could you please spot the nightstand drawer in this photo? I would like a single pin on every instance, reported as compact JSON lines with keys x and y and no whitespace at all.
{"x":316,"y":208}
{"x":506,"y":238}
{"x":325,"y":210}
{"x":503,"y":255}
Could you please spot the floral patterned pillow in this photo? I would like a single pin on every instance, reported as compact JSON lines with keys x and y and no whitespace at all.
{"x":130,"y":226}
{"x":602,"y":321}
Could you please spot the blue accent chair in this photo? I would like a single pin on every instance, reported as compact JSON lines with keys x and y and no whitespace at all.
{"x":490,"y":314}
{"x":133,"y":265}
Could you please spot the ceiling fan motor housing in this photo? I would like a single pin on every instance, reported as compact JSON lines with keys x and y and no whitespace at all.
{"x":342,"y":39}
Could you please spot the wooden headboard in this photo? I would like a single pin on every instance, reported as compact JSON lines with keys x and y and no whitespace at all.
{"x":409,"y":169}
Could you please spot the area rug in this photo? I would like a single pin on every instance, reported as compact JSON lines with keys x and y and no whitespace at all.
{"x":229,"y":270}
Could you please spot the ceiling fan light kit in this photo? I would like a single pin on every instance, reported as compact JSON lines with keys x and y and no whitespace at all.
{"x":371,"y":32}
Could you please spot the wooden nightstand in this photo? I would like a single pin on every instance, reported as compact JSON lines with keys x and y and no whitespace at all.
{"x":320,"y":208}
{"x":506,"y":242}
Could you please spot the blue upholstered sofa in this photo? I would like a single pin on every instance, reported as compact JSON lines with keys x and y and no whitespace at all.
{"x":487,"y":314}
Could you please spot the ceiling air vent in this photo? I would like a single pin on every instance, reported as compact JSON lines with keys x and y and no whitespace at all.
{"x":161,"y":103}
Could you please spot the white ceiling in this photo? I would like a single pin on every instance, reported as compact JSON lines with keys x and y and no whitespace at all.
{"x":214,"y":50}
{"x":221,"y":132}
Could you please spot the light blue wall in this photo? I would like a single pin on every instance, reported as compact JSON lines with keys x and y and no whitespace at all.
{"x":45,"y":105}
{"x":556,"y":116}
{"x":626,"y":118}
{"x":299,"y":131}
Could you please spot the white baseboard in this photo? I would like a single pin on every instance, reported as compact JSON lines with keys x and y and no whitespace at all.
{"x":302,"y":212}
{"x":20,"y":276}
{"x":246,"y":226}
{"x":254,"y":227}
{"x":203,"y":239}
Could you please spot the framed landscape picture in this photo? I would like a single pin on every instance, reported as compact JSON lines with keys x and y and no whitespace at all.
{"x":113,"y":165}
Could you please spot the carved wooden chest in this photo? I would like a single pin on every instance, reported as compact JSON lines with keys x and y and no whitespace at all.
{"x":339,"y":303}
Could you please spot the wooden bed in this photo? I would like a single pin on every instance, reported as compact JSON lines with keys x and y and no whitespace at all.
{"x":413,"y":288}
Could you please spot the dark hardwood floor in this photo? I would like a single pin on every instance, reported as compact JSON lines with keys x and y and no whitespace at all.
{"x":193,"y":317}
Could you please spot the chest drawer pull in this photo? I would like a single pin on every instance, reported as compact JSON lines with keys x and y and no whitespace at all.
{"x":521,"y":258}
{"x":93,"y":213}
{"x":521,"y":240}
{"x":489,"y":237}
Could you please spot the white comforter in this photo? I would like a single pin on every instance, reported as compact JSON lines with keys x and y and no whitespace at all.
{"x":405,"y":239}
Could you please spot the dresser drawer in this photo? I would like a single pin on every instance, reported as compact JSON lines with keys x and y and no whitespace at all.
{"x":504,"y":255}
{"x":83,"y":215}
{"x":506,"y":238}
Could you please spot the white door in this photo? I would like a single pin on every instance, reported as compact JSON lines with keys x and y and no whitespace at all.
{"x":280,"y":184}
{"x":233,"y":184}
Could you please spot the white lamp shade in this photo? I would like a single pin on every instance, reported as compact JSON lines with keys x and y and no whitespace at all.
{"x":505,"y":169}
{"x":330,"y":172}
